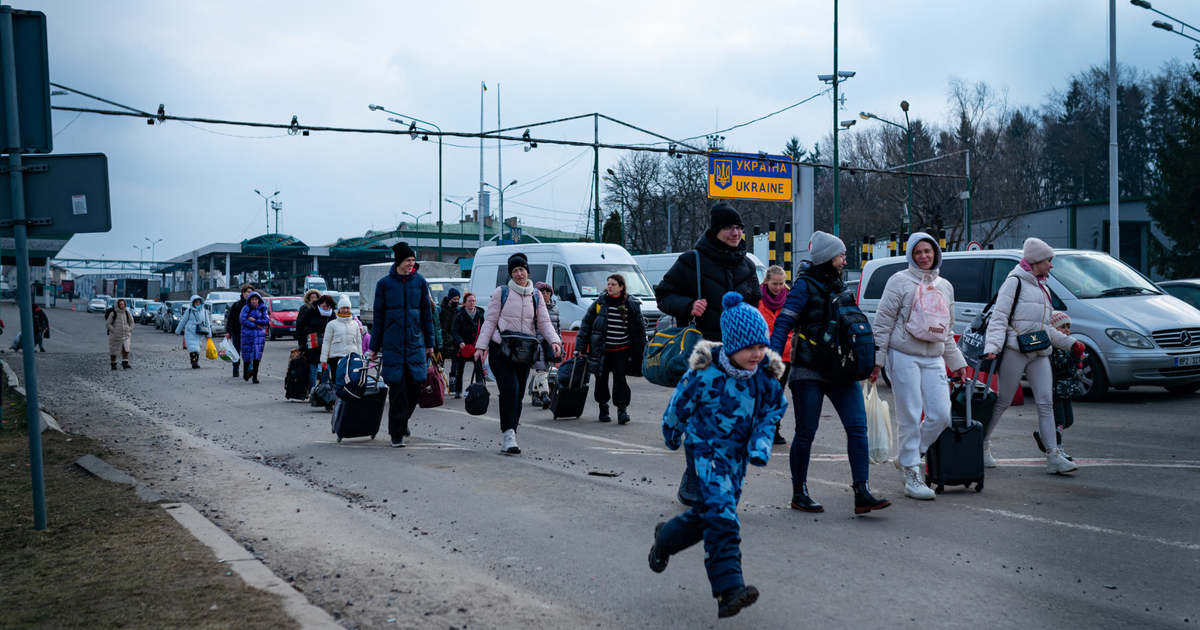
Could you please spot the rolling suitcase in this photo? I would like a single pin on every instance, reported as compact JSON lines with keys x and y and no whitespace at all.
{"x":570,"y":396}
{"x":360,"y":415}
{"x":295,"y":384}
{"x":956,"y":458}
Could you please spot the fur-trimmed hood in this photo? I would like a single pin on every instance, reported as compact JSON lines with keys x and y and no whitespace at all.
{"x":703,"y":353}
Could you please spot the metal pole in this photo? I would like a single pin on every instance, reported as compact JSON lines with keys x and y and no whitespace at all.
{"x":499,"y":171}
{"x":596,"y":171}
{"x":479,"y":211}
{"x":669,"y":204}
{"x":33,"y":418}
{"x":970,"y":193}
{"x":440,"y":259}
{"x":1114,"y":192}
{"x":908,"y":170}
{"x":836,"y":170}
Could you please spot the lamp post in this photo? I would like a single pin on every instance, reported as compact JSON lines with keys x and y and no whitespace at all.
{"x":838,"y":76}
{"x":907,"y":127}
{"x":153,"y":243}
{"x":500,"y":229}
{"x":141,"y":254}
{"x":412,"y":129}
{"x":462,"y":208}
{"x":267,"y":213}
{"x":417,"y":220}
{"x":1166,"y":26}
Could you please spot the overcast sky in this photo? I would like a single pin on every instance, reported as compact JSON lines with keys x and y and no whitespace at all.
{"x":677,"y":68}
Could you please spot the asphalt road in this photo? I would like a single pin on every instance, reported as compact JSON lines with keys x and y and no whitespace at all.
{"x":450,"y":532}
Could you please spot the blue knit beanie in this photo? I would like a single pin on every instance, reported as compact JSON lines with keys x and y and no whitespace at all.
{"x":742,"y":325}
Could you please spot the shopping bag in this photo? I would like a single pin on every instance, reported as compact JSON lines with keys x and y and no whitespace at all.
{"x":879,"y":426}
{"x":227,"y":352}
{"x":210,"y":349}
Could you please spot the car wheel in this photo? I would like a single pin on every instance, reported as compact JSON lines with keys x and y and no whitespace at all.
{"x":1190,"y":388}
{"x":1093,"y":378}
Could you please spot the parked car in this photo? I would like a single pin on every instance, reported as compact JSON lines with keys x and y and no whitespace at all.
{"x":1186,"y":290}
{"x":1135,"y":333}
{"x":97,"y":304}
{"x":283,"y":312}
{"x":315,"y":282}
{"x":222,"y":296}
{"x":170,"y":314}
{"x":150,"y":312}
{"x":217,"y":312}
{"x":137,"y":306}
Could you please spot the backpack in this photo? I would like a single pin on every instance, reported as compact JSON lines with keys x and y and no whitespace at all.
{"x":845,"y":350}
{"x":929,"y":315}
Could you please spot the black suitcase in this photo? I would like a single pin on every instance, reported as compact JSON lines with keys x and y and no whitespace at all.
{"x":295,"y":384}
{"x":360,"y":417}
{"x":570,"y":396}
{"x":956,"y":458}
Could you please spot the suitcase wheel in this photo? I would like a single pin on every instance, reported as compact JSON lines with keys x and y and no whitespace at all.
{"x":979,"y":486}
{"x":939,"y":489}
{"x":373,"y":435}
{"x":339,"y":439}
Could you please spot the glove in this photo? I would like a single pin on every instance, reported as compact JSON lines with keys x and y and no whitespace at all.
{"x":1077,"y":350}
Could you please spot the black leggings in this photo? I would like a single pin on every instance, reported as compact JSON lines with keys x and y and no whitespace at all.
{"x":510,"y":381}
{"x":457,"y":365}
{"x":614,"y":363}
{"x":402,"y":401}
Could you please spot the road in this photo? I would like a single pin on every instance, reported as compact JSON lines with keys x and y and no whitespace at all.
{"x":451,"y":532}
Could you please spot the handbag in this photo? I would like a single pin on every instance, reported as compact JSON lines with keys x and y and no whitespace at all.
{"x":433,"y":390}
{"x":666,"y":356}
{"x":468,"y":349}
{"x":313,"y":341}
{"x":1035,"y":341}
{"x":519,"y":348}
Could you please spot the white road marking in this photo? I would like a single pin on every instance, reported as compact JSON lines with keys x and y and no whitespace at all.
{"x":1037,"y":462}
{"x":594,"y":438}
{"x":1088,"y":528}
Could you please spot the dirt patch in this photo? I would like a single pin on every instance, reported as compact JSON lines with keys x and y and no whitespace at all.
{"x":107,"y":559}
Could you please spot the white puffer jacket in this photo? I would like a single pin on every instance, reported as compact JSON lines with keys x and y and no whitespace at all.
{"x":1032,"y":313}
{"x":895,"y":307}
{"x":343,"y":336}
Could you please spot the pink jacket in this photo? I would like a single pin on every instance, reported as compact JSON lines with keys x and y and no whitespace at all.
{"x":517,"y":315}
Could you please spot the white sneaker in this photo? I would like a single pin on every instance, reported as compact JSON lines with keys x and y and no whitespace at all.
{"x":915,"y":487}
{"x":510,"y":442}
{"x":988,"y":460}
{"x":1056,"y":464}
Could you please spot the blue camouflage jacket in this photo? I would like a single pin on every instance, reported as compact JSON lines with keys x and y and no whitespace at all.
{"x":716,"y":412}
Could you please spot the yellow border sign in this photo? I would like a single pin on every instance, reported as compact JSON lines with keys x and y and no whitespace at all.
{"x":749,"y":176}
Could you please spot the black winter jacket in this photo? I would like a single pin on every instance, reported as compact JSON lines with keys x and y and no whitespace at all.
{"x":722,"y":269}
{"x":446,"y":317}
{"x":465,"y":328}
{"x":593,"y":331}
{"x":233,"y":323}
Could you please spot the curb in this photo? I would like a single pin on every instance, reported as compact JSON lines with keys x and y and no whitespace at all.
{"x":227,"y":550}
{"x":14,"y":383}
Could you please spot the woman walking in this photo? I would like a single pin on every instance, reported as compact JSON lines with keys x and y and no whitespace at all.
{"x":343,"y":336}
{"x":446,"y":317}
{"x":195,"y":327}
{"x":233,"y":322}
{"x":465,"y":331}
{"x":119,"y":324}
{"x":1020,"y":329}
{"x":255,"y":319}
{"x":914,"y":338}
{"x":315,"y":320}
{"x":510,"y":329}
{"x":539,"y":385}
{"x":774,"y":295}
{"x":612,"y":337}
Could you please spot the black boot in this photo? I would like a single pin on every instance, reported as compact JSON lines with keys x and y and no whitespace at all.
{"x":864,"y":501}
{"x":732,"y":602}
{"x":235,"y":370}
{"x":195,"y":356}
{"x":689,"y":485}
{"x":254,"y":374}
{"x":114,"y":365}
{"x":801,"y":501}
{"x":658,"y":561}
{"x":604,"y":417}
{"x":125,"y":364}
{"x":779,"y":437}
{"x":622,"y":416}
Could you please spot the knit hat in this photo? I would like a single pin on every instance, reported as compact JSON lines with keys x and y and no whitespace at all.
{"x":824,"y":247}
{"x":403,"y":251}
{"x":1036,"y":250}
{"x":722,"y":215}
{"x":517,"y":260}
{"x":453,"y":293}
{"x":344,"y":302}
{"x":742,"y":325}
{"x":1058,"y":318}
{"x":544,"y":286}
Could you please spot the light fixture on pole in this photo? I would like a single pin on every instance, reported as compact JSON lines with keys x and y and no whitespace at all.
{"x":141,"y":254}
{"x":462,"y":209}
{"x":266,"y":213}
{"x":1166,"y":26}
{"x":152,"y":246}
{"x":907,"y":128}
{"x":412,"y":132}
{"x":838,"y":76}
{"x":500,"y":228}
{"x":417,"y":218}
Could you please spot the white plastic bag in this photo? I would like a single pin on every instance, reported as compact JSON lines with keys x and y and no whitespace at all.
{"x":227,"y":352}
{"x":879,"y":426}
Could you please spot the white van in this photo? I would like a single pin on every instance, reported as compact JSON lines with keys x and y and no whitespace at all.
{"x":655,"y":266}
{"x":577,"y":271}
{"x":1134,"y":332}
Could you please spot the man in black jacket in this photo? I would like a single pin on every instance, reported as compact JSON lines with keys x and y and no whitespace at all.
{"x":233,"y":321}
{"x":724,"y":267}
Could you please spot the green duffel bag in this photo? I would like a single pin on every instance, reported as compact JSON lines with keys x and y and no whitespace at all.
{"x":667,"y":354}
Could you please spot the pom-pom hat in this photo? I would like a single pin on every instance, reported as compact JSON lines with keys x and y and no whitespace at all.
{"x":742,"y":325}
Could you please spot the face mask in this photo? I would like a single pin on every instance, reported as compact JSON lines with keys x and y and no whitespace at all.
{"x":326,"y":312}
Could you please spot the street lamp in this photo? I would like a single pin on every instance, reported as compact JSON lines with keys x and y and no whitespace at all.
{"x":141,"y":254}
{"x":838,"y":76}
{"x":267,"y":213}
{"x":1166,"y":26}
{"x":907,"y":127}
{"x":412,"y":130}
{"x":417,"y":218}
{"x":153,"y":257}
{"x":462,"y":210}
{"x":509,"y":185}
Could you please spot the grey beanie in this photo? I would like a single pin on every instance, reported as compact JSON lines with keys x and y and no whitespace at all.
{"x":1036,"y":250}
{"x":824,"y":247}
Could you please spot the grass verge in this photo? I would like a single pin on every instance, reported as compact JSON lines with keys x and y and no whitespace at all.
{"x":107,"y":559}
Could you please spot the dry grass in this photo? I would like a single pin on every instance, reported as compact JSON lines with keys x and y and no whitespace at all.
{"x":107,"y":560}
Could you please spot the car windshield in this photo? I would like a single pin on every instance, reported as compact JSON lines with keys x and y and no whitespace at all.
{"x":219,"y":308}
{"x":285,"y":305}
{"x":153,"y":306}
{"x":438,"y":289}
{"x":1096,"y":275}
{"x":593,"y":278}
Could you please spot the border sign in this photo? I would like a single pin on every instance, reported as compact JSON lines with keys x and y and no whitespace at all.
{"x":67,"y":193}
{"x":749,"y":176}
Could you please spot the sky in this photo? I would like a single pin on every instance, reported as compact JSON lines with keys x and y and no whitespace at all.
{"x":677,"y":68}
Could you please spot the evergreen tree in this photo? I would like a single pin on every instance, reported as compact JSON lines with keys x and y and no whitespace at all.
{"x":612,"y":229}
{"x":1177,"y":207}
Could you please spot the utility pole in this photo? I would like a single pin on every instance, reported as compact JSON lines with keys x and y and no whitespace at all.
{"x":482,"y":199}
{"x":596,"y":171}
{"x":499,"y":171}
{"x":1114,"y":191}
{"x":836,"y":166}
{"x":277,"y":206}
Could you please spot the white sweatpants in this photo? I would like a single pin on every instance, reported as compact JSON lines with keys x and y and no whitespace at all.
{"x":918,"y":384}
{"x":1041,"y":379}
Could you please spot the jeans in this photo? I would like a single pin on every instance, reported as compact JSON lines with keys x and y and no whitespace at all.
{"x":510,"y":381}
{"x":402,"y":401}
{"x":1064,"y":414}
{"x":313,"y":369}
{"x":614,"y":363}
{"x":919,"y":385}
{"x":847,"y":399}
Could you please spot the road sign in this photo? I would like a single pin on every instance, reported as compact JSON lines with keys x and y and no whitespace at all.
{"x":750,"y":176}
{"x":974,"y":246}
{"x":33,"y":84}
{"x":64,"y":195}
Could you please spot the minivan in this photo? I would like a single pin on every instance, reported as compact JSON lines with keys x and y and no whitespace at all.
{"x":1134,"y":332}
{"x":578,"y":273}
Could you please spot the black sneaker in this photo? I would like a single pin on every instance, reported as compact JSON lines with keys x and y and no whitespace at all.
{"x":658,"y":562}
{"x":125,"y":365}
{"x":779,"y":438}
{"x":732,"y":602}
{"x":398,"y":443}
{"x":622,"y":416}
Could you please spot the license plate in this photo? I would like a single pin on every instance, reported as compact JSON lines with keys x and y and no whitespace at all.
{"x":291,"y":329}
{"x":1188,"y":360}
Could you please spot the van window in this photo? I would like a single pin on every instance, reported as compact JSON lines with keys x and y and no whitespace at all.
{"x":562,"y":284}
{"x":593,"y":278}
{"x":969,"y":277}
{"x":874,"y":288}
{"x":1000,"y":269}
{"x":537,"y":273}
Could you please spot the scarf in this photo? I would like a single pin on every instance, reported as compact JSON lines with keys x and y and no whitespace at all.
{"x":1041,"y":280}
{"x":774,"y":302}
{"x":520,"y":290}
{"x":733,"y":370}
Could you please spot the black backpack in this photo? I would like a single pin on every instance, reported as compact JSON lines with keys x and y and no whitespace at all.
{"x":846,"y":349}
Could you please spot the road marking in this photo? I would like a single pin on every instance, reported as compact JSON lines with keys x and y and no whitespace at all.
{"x":627,"y":451}
{"x":585,"y":436}
{"x":1037,"y":462}
{"x":1088,"y":528}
